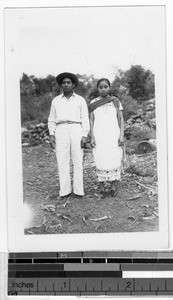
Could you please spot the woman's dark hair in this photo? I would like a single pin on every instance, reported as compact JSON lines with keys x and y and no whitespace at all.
{"x":103,"y":79}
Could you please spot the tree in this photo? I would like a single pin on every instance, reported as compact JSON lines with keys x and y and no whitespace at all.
{"x":45,"y":85}
{"x":86,"y":85}
{"x":149,"y":85}
{"x":135,"y":82}
{"x":26,"y":85}
{"x":36,"y":96}
{"x":139,"y":81}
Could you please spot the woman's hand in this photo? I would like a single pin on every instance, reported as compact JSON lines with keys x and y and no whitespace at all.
{"x":52,"y":141}
{"x":121,"y":141}
{"x":83,"y":142}
{"x":93,"y":142}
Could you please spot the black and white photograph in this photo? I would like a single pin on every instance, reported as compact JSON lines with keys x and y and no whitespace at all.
{"x":86,"y":127}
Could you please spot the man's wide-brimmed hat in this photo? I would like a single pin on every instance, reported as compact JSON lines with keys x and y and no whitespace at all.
{"x":72,"y":76}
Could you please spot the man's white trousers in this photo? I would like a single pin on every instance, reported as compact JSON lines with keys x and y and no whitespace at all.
{"x":68,"y":144}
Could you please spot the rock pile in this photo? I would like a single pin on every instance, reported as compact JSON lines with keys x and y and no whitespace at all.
{"x":35,"y":135}
{"x":144,"y":165}
{"x":143,"y":124}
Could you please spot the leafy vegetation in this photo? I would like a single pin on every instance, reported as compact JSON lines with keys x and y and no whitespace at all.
{"x":132,"y":87}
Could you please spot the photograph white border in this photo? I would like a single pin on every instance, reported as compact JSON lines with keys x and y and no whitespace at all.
{"x":17,"y":241}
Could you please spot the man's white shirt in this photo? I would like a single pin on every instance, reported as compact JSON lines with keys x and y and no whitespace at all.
{"x":73,"y":109}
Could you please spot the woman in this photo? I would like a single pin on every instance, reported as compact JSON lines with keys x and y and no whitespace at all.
{"x":107,"y":136}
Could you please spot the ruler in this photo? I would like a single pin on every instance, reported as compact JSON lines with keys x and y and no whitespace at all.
{"x":90,"y":273}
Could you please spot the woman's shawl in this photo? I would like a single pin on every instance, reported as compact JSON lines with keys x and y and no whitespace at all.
{"x":106,"y":100}
{"x":100,"y":102}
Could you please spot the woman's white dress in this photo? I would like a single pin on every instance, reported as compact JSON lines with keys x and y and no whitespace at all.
{"x":107,"y":153}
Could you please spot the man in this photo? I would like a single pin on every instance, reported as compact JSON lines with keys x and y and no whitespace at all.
{"x":68,"y":125}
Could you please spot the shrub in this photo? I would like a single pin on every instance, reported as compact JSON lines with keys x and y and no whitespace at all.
{"x":144,"y":132}
{"x":130,"y":106}
{"x":35,"y":109}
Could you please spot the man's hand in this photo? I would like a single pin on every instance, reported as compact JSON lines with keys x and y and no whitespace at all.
{"x":93,"y":142}
{"x":121,"y":141}
{"x":52,"y":141}
{"x":83,"y":142}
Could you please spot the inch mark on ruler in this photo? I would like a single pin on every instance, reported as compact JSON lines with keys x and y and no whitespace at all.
{"x":133,"y":284}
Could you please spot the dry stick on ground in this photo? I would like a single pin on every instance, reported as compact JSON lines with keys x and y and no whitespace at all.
{"x":83,"y":218}
{"x":134,"y":197}
{"x":156,"y":214}
{"x":145,"y":154}
{"x":50,"y":208}
{"x":144,"y":186}
{"x":100,"y":219}
{"x":64,"y":217}
{"x":65,"y":204}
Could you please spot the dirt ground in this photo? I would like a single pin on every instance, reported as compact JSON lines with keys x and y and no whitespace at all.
{"x":134,"y":209}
